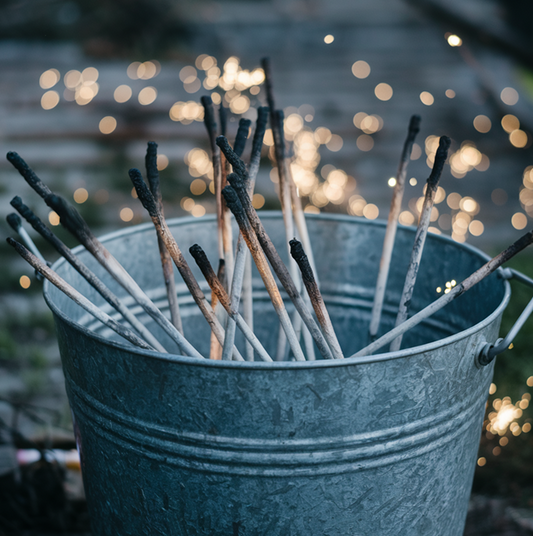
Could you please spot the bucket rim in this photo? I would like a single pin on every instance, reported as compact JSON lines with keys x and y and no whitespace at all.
{"x":277,"y":365}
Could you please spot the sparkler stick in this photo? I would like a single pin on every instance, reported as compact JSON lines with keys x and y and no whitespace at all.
{"x":163,"y":231}
{"x":78,"y":298}
{"x":421,"y":233}
{"x":455,"y":292}
{"x":219,"y":173}
{"x":240,"y":259}
{"x":85,"y":272}
{"x":15,"y":223}
{"x":152,"y":174}
{"x":203,"y":263}
{"x":72,"y":220}
{"x":392,"y":225}
{"x":240,"y":169}
{"x":315,"y":297}
{"x":211,"y":126}
{"x":277,"y":264}
{"x":233,"y":203}
{"x":290,"y":201}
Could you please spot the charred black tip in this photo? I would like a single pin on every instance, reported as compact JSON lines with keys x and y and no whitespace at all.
{"x":14,"y":221}
{"x":144,"y":194}
{"x":298,"y":254}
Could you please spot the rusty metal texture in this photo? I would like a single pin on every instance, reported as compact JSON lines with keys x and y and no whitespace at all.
{"x":384,"y":444}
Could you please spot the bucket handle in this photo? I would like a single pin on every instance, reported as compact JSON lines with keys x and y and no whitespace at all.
{"x":488,"y":351}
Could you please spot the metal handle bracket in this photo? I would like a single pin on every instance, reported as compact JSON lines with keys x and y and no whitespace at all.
{"x":489,"y":351}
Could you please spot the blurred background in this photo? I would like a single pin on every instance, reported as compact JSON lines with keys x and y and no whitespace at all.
{"x":85,"y":84}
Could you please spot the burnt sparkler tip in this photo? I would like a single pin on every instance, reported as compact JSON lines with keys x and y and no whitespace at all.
{"x":14,"y":221}
{"x":202,"y":261}
{"x":206,"y":101}
{"x":232,"y":199}
{"x":144,"y":194}
{"x":196,"y":250}
{"x":440,"y":159}
{"x":23,"y":210}
{"x":298,"y":254}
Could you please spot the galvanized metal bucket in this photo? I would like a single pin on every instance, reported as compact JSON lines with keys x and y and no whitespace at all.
{"x":384,"y":444}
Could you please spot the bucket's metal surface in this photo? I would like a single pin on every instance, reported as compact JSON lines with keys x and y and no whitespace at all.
{"x":384,"y":444}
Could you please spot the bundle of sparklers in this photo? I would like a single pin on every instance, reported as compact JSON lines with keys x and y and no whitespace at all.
{"x":234,"y":184}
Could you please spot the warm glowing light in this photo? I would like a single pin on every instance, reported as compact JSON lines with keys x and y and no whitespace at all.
{"x":427,"y":98}
{"x":216,"y":98}
{"x":122,"y":93}
{"x":126,"y":214}
{"x":329,"y":39}
{"x":80,"y":195}
{"x":518,"y":138}
{"x":258,"y":201}
{"x":450,"y":93}
{"x":132,"y":70}
{"x":162,"y":161}
{"x":476,"y":228}
{"x":335,"y":143}
{"x":519,"y":220}
{"x":510,"y":122}
{"x":482,"y":124}
{"x":365,"y":142}
{"x":53,"y":218}
{"x":107,"y":124}
{"x":481,"y":461}
{"x":392,"y":182}
{"x":24,"y":281}
{"x":311,"y":209}
{"x":148,"y":69}
{"x":147,"y":95}
{"x":440,"y":195}
{"x":72,"y":79}
{"x":187,"y":203}
{"x":90,"y":74}
{"x":371,"y":211}
{"x":186,"y":112}
{"x":240,"y":105}
{"x":188,"y":74}
{"x":322,"y":135}
{"x":50,"y":100}
{"x":370,"y":124}
{"x":198,"y":211}
{"x":492,"y":388}
{"x":406,"y":218}
{"x":453,"y":200}
{"x":469,"y":205}
{"x":49,"y":78}
{"x":413,"y":181}
{"x":454,"y":40}
{"x":198,"y":187}
{"x":383,"y":91}
{"x":526,"y":427}
{"x":529,"y":381}
{"x":509,"y":96}
{"x":361,"y":69}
